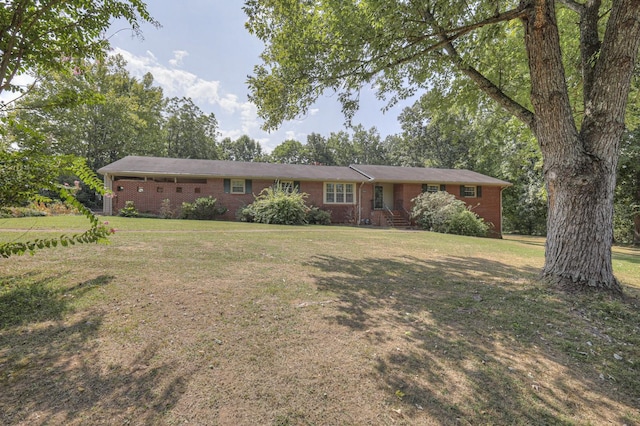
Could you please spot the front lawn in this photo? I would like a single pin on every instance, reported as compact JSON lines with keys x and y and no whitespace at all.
{"x":196,"y":322}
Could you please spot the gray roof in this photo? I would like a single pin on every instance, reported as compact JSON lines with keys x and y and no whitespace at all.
{"x":426,"y":175}
{"x":156,"y":166}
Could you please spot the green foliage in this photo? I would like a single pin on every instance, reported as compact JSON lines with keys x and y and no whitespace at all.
{"x":38,"y":36}
{"x":626,"y":224}
{"x":442,"y":212}
{"x":278,"y":206}
{"x":466,"y":222}
{"x":189,"y":132}
{"x":242,"y":149}
{"x":129,"y":210}
{"x":316,"y":216}
{"x":203,"y":208}
{"x":6,"y":212}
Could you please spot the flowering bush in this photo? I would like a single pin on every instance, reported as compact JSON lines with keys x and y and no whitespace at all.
{"x":443,"y":212}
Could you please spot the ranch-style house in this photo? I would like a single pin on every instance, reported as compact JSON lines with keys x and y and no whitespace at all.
{"x":357,"y":194}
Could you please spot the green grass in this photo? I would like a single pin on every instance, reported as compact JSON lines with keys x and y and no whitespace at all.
{"x":224,"y":322}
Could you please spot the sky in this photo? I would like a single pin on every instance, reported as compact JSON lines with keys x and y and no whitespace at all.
{"x":203,"y":51}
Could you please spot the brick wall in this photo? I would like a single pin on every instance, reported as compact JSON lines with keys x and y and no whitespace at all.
{"x":148,"y":196}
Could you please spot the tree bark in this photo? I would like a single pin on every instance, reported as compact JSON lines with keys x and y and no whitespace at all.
{"x":580,"y":165}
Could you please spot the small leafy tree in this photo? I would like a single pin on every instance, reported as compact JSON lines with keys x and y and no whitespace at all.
{"x":204,"y":208}
{"x":129,"y":210}
{"x":442,"y":212}
{"x":277,"y":205}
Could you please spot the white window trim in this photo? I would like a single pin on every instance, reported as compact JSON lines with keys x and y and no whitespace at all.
{"x":286,"y":184}
{"x":232,"y":186}
{"x":437,"y":186}
{"x":353,"y":193}
{"x":475,"y":191}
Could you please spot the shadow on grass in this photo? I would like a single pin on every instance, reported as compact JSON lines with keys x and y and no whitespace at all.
{"x":469,"y":339}
{"x":51,"y":371}
{"x":26,"y":299}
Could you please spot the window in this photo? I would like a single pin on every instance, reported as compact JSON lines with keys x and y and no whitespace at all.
{"x":339,"y":193}
{"x":237,"y":186}
{"x":140,"y":189}
{"x":196,"y":190}
{"x":286,"y":185}
{"x":179,"y":189}
{"x":433,"y":187}
{"x":470,"y":191}
{"x":121,"y":188}
{"x":159,"y":189}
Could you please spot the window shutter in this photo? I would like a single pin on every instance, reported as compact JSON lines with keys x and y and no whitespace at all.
{"x":443,"y":187}
{"x":296,"y":184}
{"x":479,"y":191}
{"x":247,"y":186}
{"x":462,"y":190}
{"x":227,"y":186}
{"x":424,"y":187}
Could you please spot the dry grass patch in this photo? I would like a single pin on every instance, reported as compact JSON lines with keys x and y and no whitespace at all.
{"x":226,"y":323}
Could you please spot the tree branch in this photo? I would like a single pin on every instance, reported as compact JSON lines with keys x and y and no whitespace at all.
{"x":572,"y":5}
{"x":483,"y":83}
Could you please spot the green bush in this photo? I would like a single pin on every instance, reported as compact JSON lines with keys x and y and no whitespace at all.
{"x":467,"y":222}
{"x":203,"y":208}
{"x":316,"y":216}
{"x":443,"y":212}
{"x":279,"y":206}
{"x":8,"y":212}
{"x":246,"y":214}
{"x":129,"y":210}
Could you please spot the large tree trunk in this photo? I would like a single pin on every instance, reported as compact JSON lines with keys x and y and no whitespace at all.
{"x":580,"y":165}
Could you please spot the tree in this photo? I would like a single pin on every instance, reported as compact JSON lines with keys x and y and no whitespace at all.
{"x":580,"y":59}
{"x":318,"y":150}
{"x":189,"y":132}
{"x":289,"y":152}
{"x":54,"y":36}
{"x":368,"y":147}
{"x":627,"y":199}
{"x":242,"y":149}
{"x":100,"y":113}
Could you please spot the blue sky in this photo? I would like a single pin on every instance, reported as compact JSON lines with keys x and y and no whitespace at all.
{"x":204,"y":52}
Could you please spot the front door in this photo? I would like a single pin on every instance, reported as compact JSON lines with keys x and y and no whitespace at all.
{"x":378,"y":197}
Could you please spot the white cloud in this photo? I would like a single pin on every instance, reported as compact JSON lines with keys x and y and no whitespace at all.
{"x":236,"y":118}
{"x":178,"y":56}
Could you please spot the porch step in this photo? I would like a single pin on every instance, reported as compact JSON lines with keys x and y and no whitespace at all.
{"x":397,"y":219}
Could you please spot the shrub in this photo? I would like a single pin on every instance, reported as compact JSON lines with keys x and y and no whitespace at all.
{"x":203,"y":208}
{"x":246,"y":214}
{"x":279,"y":206}
{"x":467,"y":222}
{"x":316,"y":216}
{"x":442,"y":212}
{"x":8,"y":212}
{"x":54,"y":208}
{"x":129,"y":210}
{"x":165,"y":209}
